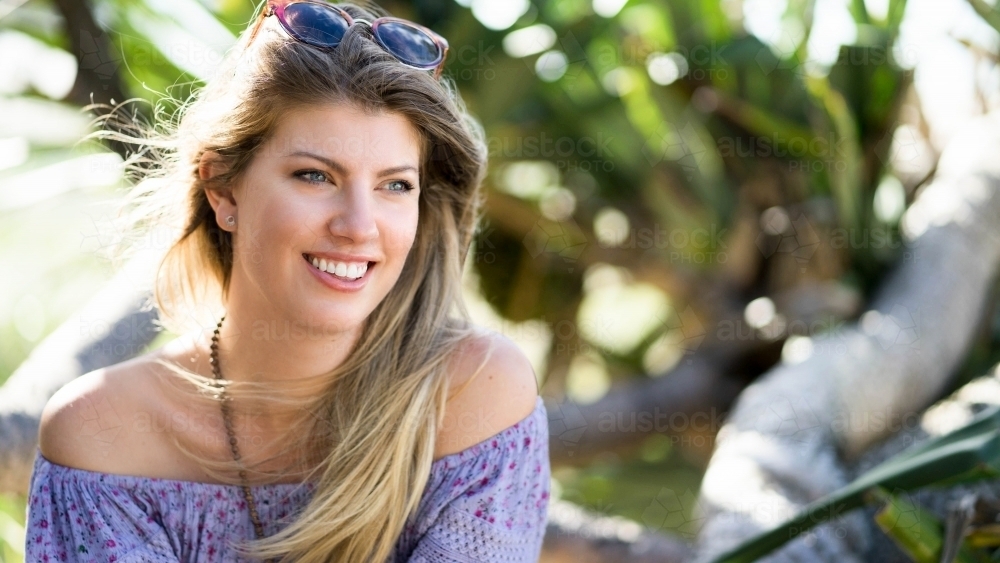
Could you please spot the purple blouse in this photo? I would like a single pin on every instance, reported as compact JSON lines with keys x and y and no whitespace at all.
{"x":487,"y":503}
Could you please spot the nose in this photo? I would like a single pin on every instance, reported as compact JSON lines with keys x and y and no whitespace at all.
{"x":354,"y":215}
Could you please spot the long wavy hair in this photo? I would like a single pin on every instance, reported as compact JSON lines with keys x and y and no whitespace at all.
{"x":367,"y":434}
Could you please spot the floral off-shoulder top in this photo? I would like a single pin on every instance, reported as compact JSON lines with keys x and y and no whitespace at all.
{"x":487,"y":503}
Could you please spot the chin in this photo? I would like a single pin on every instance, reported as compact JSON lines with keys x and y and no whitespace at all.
{"x":332,"y":320}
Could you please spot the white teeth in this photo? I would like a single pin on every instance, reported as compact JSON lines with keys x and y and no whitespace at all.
{"x":341,"y":269}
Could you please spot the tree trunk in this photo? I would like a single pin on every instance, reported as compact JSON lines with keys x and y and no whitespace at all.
{"x":783,"y":444}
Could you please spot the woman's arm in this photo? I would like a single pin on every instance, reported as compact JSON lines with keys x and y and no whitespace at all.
{"x":488,"y":503}
{"x":488,"y":493}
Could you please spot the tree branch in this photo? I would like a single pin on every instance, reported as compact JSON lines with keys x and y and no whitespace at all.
{"x":786,"y":437}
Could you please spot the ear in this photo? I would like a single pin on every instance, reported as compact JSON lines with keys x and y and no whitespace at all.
{"x":220,"y":198}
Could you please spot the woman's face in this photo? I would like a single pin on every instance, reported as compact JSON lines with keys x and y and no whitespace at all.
{"x":332,"y":186}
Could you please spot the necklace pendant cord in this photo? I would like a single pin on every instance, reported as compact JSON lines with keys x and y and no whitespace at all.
{"x":224,"y":405}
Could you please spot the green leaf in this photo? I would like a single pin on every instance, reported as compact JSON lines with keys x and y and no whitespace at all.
{"x":971,"y":452}
{"x":916,"y":532}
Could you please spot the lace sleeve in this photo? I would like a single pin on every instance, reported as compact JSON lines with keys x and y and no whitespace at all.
{"x":487,"y":503}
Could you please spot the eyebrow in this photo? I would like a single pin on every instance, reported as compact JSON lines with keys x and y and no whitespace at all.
{"x":339,"y":168}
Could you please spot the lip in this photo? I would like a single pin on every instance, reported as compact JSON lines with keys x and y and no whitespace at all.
{"x":336,"y":283}
{"x":335,"y":257}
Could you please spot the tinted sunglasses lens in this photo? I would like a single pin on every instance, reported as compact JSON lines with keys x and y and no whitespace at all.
{"x":315,"y":24}
{"x":413,"y":46}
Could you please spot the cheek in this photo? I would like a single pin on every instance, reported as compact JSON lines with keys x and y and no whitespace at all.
{"x":400,"y":233}
{"x":276,"y":223}
{"x":411,"y":230}
{"x":397,"y":238}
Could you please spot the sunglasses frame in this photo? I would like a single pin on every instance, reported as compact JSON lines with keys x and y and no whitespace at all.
{"x":277,"y":8}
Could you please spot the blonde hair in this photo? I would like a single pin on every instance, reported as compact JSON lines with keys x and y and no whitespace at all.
{"x":370,"y":437}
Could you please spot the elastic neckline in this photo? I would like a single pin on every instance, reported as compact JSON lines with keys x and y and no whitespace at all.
{"x":115,"y":478}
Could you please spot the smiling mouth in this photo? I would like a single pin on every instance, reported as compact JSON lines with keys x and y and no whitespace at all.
{"x":348,"y":271}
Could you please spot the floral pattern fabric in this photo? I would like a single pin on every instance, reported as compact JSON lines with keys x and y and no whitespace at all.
{"x":486,"y":503}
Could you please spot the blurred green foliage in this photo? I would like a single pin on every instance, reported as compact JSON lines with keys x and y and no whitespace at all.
{"x":659,"y":149}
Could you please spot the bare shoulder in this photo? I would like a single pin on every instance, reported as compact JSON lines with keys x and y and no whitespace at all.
{"x":502,"y":393}
{"x":103,"y":420}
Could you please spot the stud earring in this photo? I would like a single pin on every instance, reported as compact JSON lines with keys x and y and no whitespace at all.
{"x":230,"y":220}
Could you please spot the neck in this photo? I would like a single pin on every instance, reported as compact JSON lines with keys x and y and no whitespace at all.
{"x":282,"y":353}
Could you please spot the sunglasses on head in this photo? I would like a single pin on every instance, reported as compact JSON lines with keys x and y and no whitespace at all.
{"x":322,"y":24}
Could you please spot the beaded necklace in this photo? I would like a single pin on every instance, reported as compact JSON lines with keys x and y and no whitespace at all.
{"x":247,"y":493}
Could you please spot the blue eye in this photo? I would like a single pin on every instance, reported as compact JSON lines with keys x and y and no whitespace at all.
{"x":405,"y":186}
{"x":318,"y":177}
{"x":305,"y":173}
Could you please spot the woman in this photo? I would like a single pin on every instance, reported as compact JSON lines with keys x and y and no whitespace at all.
{"x":324,"y":188}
